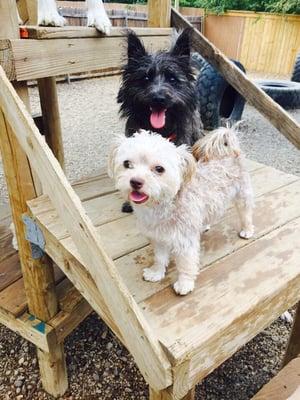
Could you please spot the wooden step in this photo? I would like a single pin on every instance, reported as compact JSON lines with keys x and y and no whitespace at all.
{"x":284,"y":386}
{"x":242,"y":287}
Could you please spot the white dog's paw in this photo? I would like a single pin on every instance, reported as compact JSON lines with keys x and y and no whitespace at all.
{"x":246,"y":234}
{"x":99,"y":19}
{"x":14,"y":239}
{"x":287,"y":317}
{"x":49,"y":16}
{"x":153,"y":274}
{"x":184,"y":286}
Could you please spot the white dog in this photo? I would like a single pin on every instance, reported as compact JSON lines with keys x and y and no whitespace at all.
{"x":96,"y":15}
{"x":174,"y":197}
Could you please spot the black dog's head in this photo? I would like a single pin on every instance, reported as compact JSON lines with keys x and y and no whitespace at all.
{"x":158,"y":89}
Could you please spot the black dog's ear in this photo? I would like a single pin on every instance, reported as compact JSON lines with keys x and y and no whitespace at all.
{"x":182,"y":46}
{"x":135,"y":47}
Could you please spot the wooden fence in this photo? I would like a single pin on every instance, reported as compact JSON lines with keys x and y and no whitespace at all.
{"x":264,"y":43}
{"x":122,"y":14}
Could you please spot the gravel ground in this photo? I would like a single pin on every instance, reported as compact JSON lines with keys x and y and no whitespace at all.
{"x":98,"y":365}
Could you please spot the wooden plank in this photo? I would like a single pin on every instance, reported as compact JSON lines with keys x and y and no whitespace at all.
{"x":35,"y":59}
{"x":13,"y":298}
{"x":255,"y":96}
{"x":283,"y":385}
{"x":65,"y":322}
{"x":101,"y":210}
{"x":165,"y":395}
{"x":250,"y":288}
{"x":72,"y":32}
{"x":10,"y":271}
{"x":51,"y":118}
{"x":8,"y":19}
{"x":30,"y":328}
{"x":293,"y":346}
{"x":138,"y":335}
{"x":159,"y":13}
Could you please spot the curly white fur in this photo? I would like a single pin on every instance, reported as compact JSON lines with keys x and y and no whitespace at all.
{"x":182,"y":200}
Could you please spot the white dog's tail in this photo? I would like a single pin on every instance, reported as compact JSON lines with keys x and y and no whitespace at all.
{"x":220,"y":143}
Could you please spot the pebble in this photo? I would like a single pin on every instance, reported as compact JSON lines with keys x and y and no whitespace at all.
{"x":109,"y":346}
{"x":18,"y":383}
{"x":21,"y":361}
{"x":96,"y":377}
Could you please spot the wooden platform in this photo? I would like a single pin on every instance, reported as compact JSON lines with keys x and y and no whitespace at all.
{"x":243,"y":286}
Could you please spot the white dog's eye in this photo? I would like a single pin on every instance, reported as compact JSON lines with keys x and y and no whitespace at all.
{"x":127,"y":164}
{"x":159,"y":169}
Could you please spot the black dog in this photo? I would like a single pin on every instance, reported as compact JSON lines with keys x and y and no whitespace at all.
{"x":158,"y":91}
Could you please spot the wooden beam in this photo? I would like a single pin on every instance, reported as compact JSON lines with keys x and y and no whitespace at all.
{"x":254,"y":95}
{"x":159,"y":13}
{"x":76,"y":32}
{"x":30,"y":328}
{"x":33,"y":59}
{"x":8,"y":20}
{"x":51,"y":118}
{"x":166,"y":395}
{"x":140,"y":340}
{"x":293,"y":347}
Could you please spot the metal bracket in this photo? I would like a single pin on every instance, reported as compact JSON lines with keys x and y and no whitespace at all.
{"x":35,"y":236}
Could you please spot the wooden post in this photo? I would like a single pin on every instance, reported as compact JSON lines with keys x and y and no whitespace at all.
{"x":165,"y":395}
{"x":51,"y":118}
{"x":28,"y":11}
{"x":159,"y":13}
{"x":38,"y":274}
{"x":293,"y":347}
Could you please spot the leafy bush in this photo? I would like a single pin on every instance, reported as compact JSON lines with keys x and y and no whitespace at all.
{"x":220,"y":6}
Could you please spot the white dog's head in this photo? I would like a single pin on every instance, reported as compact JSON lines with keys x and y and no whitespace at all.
{"x":149,"y":169}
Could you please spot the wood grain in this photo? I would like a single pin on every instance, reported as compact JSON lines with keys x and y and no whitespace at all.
{"x":35,"y":59}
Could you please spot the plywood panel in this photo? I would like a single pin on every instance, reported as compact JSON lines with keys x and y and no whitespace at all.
{"x":226,"y":33}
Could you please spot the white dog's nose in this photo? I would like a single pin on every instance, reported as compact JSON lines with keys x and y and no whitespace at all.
{"x":136,"y":183}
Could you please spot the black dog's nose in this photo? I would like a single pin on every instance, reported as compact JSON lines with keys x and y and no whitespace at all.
{"x":136,"y":183}
{"x":158,"y":100}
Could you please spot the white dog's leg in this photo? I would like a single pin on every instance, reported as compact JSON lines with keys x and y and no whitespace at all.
{"x":20,"y":21}
{"x":188,"y":267}
{"x":97,"y":16}
{"x":245,"y":211}
{"x":161,"y":260}
{"x":14,"y":239}
{"x":48,"y":14}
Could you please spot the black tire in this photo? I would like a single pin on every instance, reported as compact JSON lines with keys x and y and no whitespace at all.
{"x":285,"y":93}
{"x":217,"y":98}
{"x":296,"y":73}
{"x":197,"y":61}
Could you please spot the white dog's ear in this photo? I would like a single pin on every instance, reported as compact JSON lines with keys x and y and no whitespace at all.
{"x":188,"y":163}
{"x":118,"y":139}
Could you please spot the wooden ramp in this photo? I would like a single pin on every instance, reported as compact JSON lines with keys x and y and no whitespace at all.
{"x":242,"y":288}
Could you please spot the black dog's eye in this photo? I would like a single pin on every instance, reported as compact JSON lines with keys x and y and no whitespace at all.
{"x":146,"y":78}
{"x":127,"y":164}
{"x":159,"y":169}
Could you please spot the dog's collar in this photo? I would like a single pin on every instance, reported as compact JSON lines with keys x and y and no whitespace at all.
{"x":172,"y":137}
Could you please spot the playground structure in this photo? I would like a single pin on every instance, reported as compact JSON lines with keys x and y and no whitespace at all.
{"x":97,"y":251}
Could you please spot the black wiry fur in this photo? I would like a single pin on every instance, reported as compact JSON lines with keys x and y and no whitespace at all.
{"x":163,"y":80}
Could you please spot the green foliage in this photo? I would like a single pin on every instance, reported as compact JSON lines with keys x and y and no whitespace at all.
{"x":220,"y":6}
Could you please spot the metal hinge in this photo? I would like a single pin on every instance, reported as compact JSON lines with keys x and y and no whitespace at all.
{"x":35,"y":236}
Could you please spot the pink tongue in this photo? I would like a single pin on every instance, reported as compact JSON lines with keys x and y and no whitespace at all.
{"x":158,"y":119}
{"x":138,"y":197}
